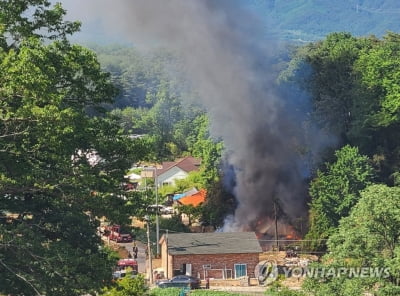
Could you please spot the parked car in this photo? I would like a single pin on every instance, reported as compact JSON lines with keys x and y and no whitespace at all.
{"x":162,"y":210}
{"x":119,"y":274}
{"x":180,"y":281}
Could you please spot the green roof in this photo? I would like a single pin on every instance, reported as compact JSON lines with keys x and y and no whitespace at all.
{"x":212,"y":243}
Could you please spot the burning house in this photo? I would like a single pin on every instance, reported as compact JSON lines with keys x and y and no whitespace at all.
{"x":232,"y":66}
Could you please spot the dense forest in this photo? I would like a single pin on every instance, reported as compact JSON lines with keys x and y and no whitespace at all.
{"x":75,"y":120}
{"x":354,"y":194}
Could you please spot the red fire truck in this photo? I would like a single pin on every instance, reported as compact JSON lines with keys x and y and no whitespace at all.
{"x":124,"y":266}
{"x":125,"y":263}
{"x":113,"y":232}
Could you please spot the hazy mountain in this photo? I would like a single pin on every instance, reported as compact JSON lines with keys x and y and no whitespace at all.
{"x":301,"y":20}
{"x":314,"y":19}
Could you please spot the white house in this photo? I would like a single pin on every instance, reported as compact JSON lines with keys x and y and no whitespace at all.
{"x":180,"y":169}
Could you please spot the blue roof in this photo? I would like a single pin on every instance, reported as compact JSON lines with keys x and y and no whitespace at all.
{"x":179,"y":196}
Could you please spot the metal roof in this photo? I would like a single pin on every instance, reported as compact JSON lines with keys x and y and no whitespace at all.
{"x":212,"y":243}
{"x":189,"y":192}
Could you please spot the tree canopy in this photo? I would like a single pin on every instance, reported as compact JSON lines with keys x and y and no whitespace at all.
{"x":62,"y":159}
{"x":353,"y":87}
{"x":354,"y":93}
{"x":335,"y":191}
{"x":367,"y":238}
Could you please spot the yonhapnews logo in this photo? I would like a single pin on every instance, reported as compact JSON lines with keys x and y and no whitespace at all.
{"x":268,"y":272}
{"x":332,"y":272}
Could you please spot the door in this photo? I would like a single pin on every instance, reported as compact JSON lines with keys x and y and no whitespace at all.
{"x":188,"y":269}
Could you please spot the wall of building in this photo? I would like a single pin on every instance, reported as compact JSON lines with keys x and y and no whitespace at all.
{"x":166,"y":261}
{"x":220,"y":264}
{"x":170,"y":176}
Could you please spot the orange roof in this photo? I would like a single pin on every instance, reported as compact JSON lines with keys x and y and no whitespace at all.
{"x":194,"y":199}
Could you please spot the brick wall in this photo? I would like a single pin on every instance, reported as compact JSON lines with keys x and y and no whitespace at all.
{"x":217,"y":261}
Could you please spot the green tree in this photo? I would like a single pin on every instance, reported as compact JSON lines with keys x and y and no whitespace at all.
{"x":279,"y":290}
{"x":369,"y":238}
{"x":354,"y":93}
{"x":194,"y":179}
{"x":137,"y":73}
{"x":173,"y":224}
{"x":378,"y":104}
{"x":378,"y":70}
{"x":61,"y":158}
{"x":335,"y":191}
{"x":331,"y":79}
{"x":22,"y":19}
{"x":219,"y":204}
{"x":128,"y":286}
{"x":191,"y":211}
{"x":164,"y":114}
{"x":206,"y":148}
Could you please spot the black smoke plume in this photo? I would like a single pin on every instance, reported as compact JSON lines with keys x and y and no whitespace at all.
{"x":231,"y":62}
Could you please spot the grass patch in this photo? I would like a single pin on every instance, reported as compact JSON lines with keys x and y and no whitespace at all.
{"x":176,"y":291}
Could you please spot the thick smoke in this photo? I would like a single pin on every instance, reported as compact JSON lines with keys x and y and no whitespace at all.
{"x":229,"y":59}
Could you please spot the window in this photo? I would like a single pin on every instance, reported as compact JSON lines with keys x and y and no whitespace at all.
{"x":240,"y":270}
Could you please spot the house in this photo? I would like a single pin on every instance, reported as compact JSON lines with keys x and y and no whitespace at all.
{"x":216,"y":255}
{"x":194,"y":199}
{"x":176,"y":170}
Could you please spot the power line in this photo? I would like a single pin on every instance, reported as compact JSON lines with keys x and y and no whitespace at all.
{"x":260,"y":240}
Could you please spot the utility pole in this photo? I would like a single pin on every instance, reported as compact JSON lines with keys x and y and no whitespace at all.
{"x":157,"y":211}
{"x":154,"y":171}
{"x":276,"y":225}
{"x":149,"y":257}
{"x":166,"y":245}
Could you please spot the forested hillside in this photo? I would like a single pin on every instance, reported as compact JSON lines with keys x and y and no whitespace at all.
{"x":308,"y":20}
{"x":139,"y":74}
{"x":154,"y":101}
{"x":354,"y":209}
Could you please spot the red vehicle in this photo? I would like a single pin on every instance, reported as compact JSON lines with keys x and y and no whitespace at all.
{"x":113,"y":232}
{"x":123,"y":265}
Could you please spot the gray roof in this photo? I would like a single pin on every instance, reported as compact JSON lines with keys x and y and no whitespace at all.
{"x":213,"y":243}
